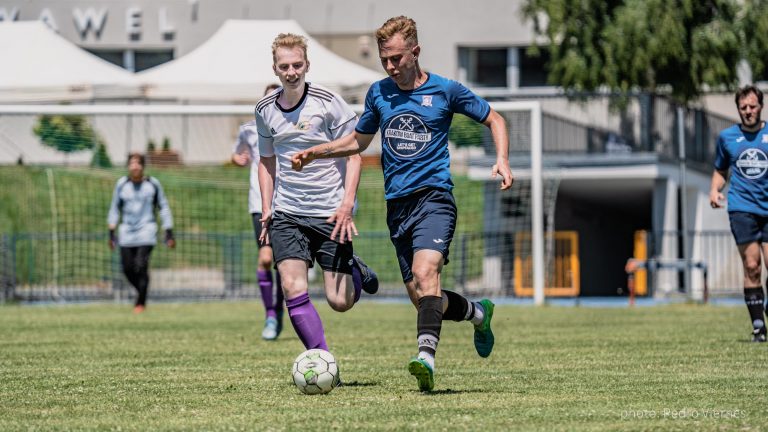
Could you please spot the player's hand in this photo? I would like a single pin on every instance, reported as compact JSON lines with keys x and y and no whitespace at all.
{"x":171,"y":243}
{"x":266,"y":218}
{"x":300,"y":159}
{"x":501,"y":167}
{"x":241,"y":159}
{"x":716,"y":199}
{"x":345,"y":226}
{"x":111,"y":244}
{"x":112,"y":239}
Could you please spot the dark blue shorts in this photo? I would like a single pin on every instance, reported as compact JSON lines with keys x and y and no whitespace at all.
{"x":423,"y":220}
{"x":309,"y":239}
{"x":748,"y":227}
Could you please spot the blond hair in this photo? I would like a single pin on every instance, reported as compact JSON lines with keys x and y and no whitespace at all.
{"x":288,"y":40}
{"x":400,"y":24}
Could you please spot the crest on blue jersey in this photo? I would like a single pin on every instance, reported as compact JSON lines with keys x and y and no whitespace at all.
{"x":426,"y":100}
{"x":406,"y":135}
{"x":752,"y":163}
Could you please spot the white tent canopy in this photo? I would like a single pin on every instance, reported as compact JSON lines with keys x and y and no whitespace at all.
{"x":235,"y":64}
{"x":39,"y":65}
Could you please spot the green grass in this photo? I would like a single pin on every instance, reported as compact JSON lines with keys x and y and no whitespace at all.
{"x":204,"y":367}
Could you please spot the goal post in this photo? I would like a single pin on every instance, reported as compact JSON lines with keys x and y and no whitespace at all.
{"x":206,"y":133}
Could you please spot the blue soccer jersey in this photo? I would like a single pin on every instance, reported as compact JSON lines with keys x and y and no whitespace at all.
{"x":746,"y":155}
{"x":414,"y":128}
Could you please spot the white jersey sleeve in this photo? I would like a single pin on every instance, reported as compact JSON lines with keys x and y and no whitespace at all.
{"x":248,"y":140}
{"x":341,"y":119}
{"x":265,"y":136}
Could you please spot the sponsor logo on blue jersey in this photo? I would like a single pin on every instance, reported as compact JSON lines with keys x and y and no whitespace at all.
{"x":752,"y":163}
{"x":407,"y":135}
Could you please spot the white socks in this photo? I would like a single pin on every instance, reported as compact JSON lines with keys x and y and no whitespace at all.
{"x":479,"y":314}
{"x":429,"y":358}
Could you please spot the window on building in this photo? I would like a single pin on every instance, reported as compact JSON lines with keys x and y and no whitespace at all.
{"x":134,"y":60}
{"x":147,"y":59}
{"x":113,"y":56}
{"x":485,"y":67}
{"x":533,"y":71}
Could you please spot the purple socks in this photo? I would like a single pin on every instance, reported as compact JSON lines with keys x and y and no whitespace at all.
{"x":271,"y":303}
{"x":357,"y":281}
{"x":306,"y":322}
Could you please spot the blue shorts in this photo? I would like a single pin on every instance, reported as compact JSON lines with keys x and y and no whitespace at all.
{"x":748,"y":227}
{"x":423,"y":220}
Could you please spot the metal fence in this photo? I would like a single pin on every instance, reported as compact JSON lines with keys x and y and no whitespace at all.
{"x":716,"y":249}
{"x":222,"y":266}
{"x":216,"y":266}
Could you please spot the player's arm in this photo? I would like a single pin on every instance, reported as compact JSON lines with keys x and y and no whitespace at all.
{"x":720,"y":174}
{"x":345,"y":225}
{"x":241,"y":154}
{"x":716,"y":197}
{"x":267,"y":188}
{"x":113,"y":216}
{"x":498,"y":128}
{"x":353,"y":143}
{"x":166,"y":217}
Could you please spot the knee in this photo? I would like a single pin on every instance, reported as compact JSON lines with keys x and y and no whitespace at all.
{"x":265,"y":261}
{"x":425,"y":278}
{"x":293,"y":287}
{"x":752,"y":267}
{"x":340,"y":305}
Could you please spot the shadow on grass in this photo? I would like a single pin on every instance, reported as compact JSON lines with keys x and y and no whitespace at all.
{"x":359,"y":384}
{"x":449,"y":392}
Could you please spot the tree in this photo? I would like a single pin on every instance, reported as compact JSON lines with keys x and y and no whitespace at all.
{"x":101,"y":157}
{"x":465,"y":132}
{"x":675,"y":47}
{"x":66,"y":133}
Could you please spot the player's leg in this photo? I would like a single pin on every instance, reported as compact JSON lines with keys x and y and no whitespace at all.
{"x":425,"y":286}
{"x":272,"y":325}
{"x":421,"y":277}
{"x":345,"y":274}
{"x":291,"y":253}
{"x":142,"y":275}
{"x":763,"y":227}
{"x":271,"y":294}
{"x":132,"y":271}
{"x":127,"y":259}
{"x":434,"y":231}
{"x":368,"y":279}
{"x":746,"y":233}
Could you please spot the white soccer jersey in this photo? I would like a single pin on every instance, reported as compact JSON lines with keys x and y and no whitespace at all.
{"x":248,"y":140}
{"x":321,"y":116}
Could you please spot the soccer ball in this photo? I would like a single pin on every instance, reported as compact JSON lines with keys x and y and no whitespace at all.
{"x":315,"y":372}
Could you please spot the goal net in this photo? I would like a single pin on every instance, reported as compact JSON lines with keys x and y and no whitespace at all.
{"x":59,"y":165}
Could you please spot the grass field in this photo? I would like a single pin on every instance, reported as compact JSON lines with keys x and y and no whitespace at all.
{"x":203,"y":367}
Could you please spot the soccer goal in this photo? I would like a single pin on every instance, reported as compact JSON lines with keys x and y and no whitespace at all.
{"x":60,"y":164}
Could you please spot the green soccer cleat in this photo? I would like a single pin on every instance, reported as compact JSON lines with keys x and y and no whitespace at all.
{"x":483,"y":334}
{"x":423,"y":373}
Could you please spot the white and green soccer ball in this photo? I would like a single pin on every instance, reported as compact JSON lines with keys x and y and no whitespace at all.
{"x":315,"y":372}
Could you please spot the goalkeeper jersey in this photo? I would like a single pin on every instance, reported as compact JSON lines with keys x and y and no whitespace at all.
{"x":136,"y":203}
